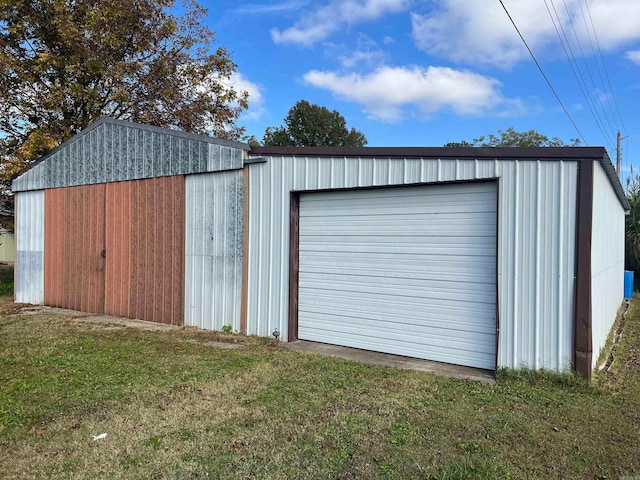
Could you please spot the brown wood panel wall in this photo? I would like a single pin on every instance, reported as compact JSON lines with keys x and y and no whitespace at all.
{"x":74,"y":240}
{"x":145,"y":249}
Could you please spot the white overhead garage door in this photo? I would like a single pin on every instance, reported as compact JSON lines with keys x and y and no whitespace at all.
{"x":405,"y":270}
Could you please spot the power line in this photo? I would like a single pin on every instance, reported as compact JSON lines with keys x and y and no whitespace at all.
{"x":593,"y":50}
{"x":544,"y":74}
{"x":577,"y":73}
{"x":586,"y":64}
{"x":604,"y":66}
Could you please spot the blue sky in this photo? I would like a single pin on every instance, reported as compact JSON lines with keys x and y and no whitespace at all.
{"x":424,"y":73}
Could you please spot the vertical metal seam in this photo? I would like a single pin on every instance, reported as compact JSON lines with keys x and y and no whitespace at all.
{"x":536,"y":301}
{"x":560,"y":261}
{"x":515,"y":317}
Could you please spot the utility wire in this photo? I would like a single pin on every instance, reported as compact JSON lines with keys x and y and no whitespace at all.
{"x":569,"y":54}
{"x":595,"y":58}
{"x":586,"y":64}
{"x":604,"y":66}
{"x":577,"y":73}
{"x":544,"y":74}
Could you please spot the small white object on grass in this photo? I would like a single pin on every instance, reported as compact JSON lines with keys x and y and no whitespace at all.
{"x":99,"y":437}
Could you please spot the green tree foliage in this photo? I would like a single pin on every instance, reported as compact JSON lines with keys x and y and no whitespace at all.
{"x":632,"y":237}
{"x":310,"y":125}
{"x":67,"y":63}
{"x":512,"y":138}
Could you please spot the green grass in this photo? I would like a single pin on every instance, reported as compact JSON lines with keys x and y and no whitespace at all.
{"x":174,"y":408}
{"x":6,"y":280}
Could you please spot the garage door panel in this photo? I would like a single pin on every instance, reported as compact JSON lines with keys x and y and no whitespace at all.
{"x":374,"y":288}
{"x":416,"y":249}
{"x":371,"y":210}
{"x":481,"y":353}
{"x":421,"y":191}
{"x":391,"y":227}
{"x":409,"y":271}
{"x":404,"y":195}
{"x":445,"y":354}
{"x":428,"y":263}
{"x":456,"y":325}
{"x":400,"y":278}
{"x":475,"y":317}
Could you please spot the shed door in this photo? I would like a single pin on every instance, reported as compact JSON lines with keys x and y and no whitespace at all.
{"x":408,"y":271}
{"x":117,"y":248}
{"x":74,"y":241}
{"x":145,"y":249}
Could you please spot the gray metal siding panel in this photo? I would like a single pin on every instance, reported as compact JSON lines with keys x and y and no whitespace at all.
{"x":541,"y":234}
{"x":607,"y":258}
{"x":112,"y":152}
{"x":213,"y":242}
{"x":29,"y":229}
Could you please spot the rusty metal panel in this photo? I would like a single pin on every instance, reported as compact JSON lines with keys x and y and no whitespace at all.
{"x":145,"y":249}
{"x":74,"y":240}
{"x":118,"y":249}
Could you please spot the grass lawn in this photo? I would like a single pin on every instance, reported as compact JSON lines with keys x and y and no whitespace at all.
{"x":173,"y":407}
{"x":6,"y":280}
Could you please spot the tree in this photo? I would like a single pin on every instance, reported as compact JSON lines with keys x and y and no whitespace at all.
{"x":310,"y":125}
{"x":632,"y":220}
{"x":512,"y":138}
{"x":67,"y":63}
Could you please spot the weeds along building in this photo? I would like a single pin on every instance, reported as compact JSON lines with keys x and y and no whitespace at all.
{"x":485,"y":257}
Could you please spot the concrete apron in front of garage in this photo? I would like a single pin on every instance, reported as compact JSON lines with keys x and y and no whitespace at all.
{"x":394,"y":361}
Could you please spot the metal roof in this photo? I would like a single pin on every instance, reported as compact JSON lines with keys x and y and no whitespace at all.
{"x":115,"y":150}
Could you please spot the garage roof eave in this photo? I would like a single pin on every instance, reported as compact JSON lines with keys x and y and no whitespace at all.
{"x":506,"y":153}
{"x":579,"y":154}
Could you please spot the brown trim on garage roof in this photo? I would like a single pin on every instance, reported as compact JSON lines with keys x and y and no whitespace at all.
{"x":578,"y":154}
{"x":538,"y":153}
{"x":582,"y":315}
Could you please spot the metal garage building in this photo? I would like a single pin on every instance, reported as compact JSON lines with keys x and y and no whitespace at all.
{"x":482,"y":257}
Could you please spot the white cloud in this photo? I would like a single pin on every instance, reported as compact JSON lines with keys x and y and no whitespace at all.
{"x":319,"y":24}
{"x":256,"y":98}
{"x":271,"y":8}
{"x":360,"y":57}
{"x":388,"y":40}
{"x":633,"y":55}
{"x":388,"y":92}
{"x":479,"y":32}
{"x":366,"y":53}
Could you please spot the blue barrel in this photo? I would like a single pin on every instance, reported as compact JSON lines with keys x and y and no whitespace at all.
{"x":628,"y":284}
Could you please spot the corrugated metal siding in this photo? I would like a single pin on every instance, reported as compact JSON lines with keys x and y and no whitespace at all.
{"x":607,"y":258}
{"x":407,"y":271}
{"x":536,"y":241}
{"x":213,"y":279}
{"x":145,"y":249}
{"x":112,"y":152}
{"x":74,"y":240}
{"x":29,"y":230}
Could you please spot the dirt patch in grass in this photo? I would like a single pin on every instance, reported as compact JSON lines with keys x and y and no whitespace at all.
{"x":173,"y":407}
